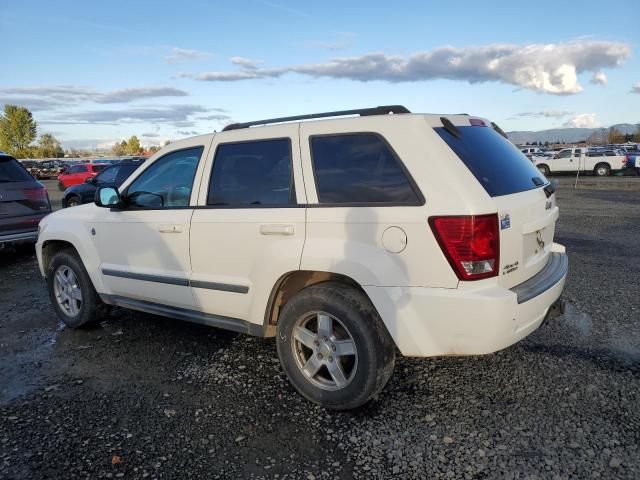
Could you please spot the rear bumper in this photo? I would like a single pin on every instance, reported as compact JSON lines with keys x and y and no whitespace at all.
{"x":428,"y":322}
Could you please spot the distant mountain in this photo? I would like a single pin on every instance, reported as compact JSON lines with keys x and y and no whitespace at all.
{"x":565,"y":135}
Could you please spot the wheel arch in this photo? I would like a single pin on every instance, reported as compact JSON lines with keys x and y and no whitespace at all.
{"x":543,"y":165}
{"x":291,"y":283}
{"x":51,"y":247}
{"x":599,"y":164}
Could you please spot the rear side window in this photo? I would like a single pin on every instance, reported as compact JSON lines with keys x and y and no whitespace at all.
{"x":12,"y":171}
{"x":256,"y":173}
{"x":359,"y":168}
{"x":496,"y":163}
{"x":78,"y":169}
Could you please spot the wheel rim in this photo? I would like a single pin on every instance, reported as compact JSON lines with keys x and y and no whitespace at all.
{"x":602,"y":171}
{"x":73,"y":203}
{"x":67,"y":291}
{"x":324,"y":350}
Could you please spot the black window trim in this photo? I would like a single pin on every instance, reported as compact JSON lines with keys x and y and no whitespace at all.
{"x":293,"y":194}
{"x":123,"y":195}
{"x":414,"y":186}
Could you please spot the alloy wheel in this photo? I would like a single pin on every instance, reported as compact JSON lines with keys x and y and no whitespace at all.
{"x":67,"y":290}
{"x":324,"y":350}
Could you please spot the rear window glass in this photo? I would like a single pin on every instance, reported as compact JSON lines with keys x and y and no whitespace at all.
{"x":359,"y":168}
{"x":12,"y":171}
{"x":496,"y":163}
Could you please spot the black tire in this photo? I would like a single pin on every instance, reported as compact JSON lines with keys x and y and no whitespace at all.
{"x":544,"y":169}
{"x":602,"y":170}
{"x":73,"y":201}
{"x":369,"y":369}
{"x":91,"y":308}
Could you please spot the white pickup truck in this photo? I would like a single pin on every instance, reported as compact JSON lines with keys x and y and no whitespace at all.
{"x":579,"y":159}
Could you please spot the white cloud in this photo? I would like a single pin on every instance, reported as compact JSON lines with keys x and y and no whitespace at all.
{"x":48,"y":97}
{"x":635,"y":88}
{"x":246,"y":63}
{"x":545,"y":114}
{"x":582,"y":120}
{"x":546,"y":68}
{"x":185,"y":54}
{"x":598,"y":78}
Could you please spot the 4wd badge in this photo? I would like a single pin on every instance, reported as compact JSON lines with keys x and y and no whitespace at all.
{"x":505,"y":221}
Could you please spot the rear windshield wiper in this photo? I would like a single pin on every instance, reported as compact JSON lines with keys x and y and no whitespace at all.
{"x":450,"y":127}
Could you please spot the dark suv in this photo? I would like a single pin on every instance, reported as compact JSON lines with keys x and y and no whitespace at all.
{"x":23,"y":203}
{"x":112,"y":176}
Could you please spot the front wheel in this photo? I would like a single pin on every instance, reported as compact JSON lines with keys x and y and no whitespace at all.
{"x":73,"y":201}
{"x":71,"y":291}
{"x":602,"y":170}
{"x":334,"y":347}
{"x":544,"y":170}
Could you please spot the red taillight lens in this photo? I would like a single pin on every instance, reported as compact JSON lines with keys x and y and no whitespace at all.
{"x":35,"y":194}
{"x":470,"y":243}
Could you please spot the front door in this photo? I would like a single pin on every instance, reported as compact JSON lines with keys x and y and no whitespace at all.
{"x":249,"y":227}
{"x":144,"y":248}
{"x":563,"y":161}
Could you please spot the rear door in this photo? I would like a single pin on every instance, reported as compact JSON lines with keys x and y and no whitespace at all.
{"x":23,"y":201}
{"x":249,"y":227}
{"x":527,"y":215}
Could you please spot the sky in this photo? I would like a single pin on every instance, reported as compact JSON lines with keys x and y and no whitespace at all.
{"x":94,"y":73}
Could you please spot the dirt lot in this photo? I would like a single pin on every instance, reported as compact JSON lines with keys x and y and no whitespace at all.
{"x":147,"y":397}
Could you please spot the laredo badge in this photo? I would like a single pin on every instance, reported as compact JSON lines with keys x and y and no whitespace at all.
{"x":505,"y":221}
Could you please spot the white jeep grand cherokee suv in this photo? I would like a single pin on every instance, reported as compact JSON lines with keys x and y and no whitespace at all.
{"x":343,"y":238}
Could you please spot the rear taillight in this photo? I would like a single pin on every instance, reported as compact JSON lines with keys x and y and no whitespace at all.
{"x":35,"y":194}
{"x":471,"y":244}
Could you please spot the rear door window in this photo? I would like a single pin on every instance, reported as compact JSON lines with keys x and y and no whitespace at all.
{"x":255,"y":173}
{"x":496,"y":163}
{"x":12,"y":171}
{"x":359,"y":168}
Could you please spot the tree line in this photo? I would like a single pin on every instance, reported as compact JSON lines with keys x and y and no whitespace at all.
{"x":19,"y":132}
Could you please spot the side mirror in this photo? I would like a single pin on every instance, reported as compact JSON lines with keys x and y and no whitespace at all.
{"x":91,"y":180}
{"x":108,"y":197}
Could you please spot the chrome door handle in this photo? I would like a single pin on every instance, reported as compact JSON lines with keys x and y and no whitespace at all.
{"x":170,"y":228}
{"x":273,"y":229}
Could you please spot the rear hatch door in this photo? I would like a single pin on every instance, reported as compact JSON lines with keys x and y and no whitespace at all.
{"x":523,"y":197}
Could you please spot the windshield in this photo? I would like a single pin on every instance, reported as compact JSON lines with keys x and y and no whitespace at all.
{"x":496,"y":163}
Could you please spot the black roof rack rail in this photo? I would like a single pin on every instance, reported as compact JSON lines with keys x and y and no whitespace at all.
{"x":382,"y":110}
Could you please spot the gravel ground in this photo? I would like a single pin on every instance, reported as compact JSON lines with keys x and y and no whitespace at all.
{"x":140,"y":396}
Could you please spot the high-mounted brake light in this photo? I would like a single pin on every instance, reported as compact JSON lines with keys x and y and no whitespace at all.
{"x":476,"y":122}
{"x":470,"y":243}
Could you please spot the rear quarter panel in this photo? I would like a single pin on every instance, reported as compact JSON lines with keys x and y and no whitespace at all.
{"x":349,"y":239}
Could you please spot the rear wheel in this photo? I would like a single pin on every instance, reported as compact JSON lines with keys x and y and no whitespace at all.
{"x":334,"y":347}
{"x":602,"y":170}
{"x":71,"y":292}
{"x":544,"y":169}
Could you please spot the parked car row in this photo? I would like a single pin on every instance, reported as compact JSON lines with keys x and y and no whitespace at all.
{"x":580,"y":160}
{"x":112,"y":176}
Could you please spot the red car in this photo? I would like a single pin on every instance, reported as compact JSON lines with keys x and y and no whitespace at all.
{"x":77,"y":174}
